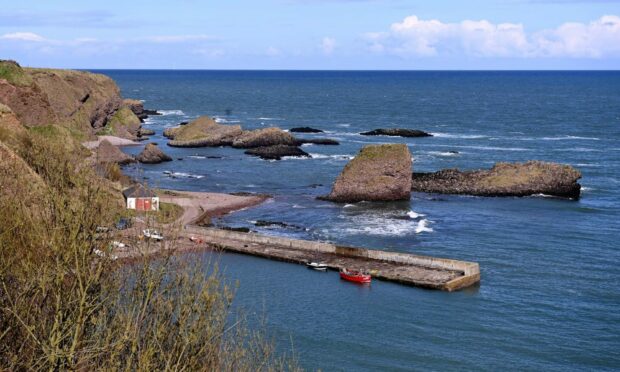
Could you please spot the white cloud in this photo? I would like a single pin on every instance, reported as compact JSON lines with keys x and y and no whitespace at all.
{"x":273,"y":51}
{"x":178,"y":38}
{"x":328,"y":45}
{"x":417,"y":37}
{"x":23,"y":36}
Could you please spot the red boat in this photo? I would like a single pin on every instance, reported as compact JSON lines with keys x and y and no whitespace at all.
{"x":354,"y":276}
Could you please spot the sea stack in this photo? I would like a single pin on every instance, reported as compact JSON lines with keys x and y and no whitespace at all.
{"x":152,"y":154}
{"x":377,"y":173}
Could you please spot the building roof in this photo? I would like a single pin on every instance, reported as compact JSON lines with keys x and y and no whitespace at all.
{"x":138,"y":191}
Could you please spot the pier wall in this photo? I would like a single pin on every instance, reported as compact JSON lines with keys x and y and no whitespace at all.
{"x":470,"y":270}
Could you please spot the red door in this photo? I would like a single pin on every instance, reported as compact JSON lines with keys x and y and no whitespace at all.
{"x":147,"y":204}
{"x":139,"y":204}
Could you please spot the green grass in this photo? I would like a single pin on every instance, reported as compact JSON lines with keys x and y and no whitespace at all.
{"x":14,"y":74}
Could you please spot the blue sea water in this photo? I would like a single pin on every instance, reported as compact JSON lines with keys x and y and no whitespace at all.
{"x":549,"y":297}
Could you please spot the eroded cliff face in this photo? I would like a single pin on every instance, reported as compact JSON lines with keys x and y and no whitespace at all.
{"x":75,"y":99}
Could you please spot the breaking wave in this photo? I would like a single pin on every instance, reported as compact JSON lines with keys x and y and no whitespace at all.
{"x":171,"y":112}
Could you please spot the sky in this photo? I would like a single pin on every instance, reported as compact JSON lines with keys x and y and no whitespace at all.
{"x":313,"y":34}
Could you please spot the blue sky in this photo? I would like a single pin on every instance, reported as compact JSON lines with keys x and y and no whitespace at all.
{"x":313,"y":34}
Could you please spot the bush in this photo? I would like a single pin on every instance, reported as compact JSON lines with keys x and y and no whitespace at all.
{"x":66,"y":304}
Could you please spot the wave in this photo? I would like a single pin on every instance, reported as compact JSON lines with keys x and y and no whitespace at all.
{"x":343,"y":125}
{"x":335,"y":157}
{"x":221,"y":120}
{"x":171,"y":112}
{"x":413,"y":215}
{"x":495,"y":148}
{"x":182,"y":175}
{"x":423,"y":227}
{"x":562,"y":138}
{"x":463,"y":136}
{"x":443,"y":153}
{"x":266,"y":118}
{"x":196,"y":156}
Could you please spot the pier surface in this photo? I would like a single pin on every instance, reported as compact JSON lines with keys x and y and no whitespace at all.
{"x":419,"y":271}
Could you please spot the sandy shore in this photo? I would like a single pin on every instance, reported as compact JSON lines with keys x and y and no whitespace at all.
{"x":116,"y":141}
{"x":197,"y":205}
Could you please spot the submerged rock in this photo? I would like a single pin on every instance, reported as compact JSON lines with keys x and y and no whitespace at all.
{"x":277,"y":152}
{"x":305,"y":130}
{"x":145,"y":132}
{"x":152,"y":154}
{"x":397,"y":132}
{"x":317,"y":141}
{"x":504,"y":179}
{"x":377,"y":173}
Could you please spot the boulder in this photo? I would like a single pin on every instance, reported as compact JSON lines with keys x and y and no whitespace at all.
{"x":277,"y":152}
{"x":504,"y":179}
{"x":264,"y":137}
{"x":108,"y":153}
{"x":145,"y":132}
{"x":317,"y":141}
{"x":136,"y":106}
{"x":152,"y":154}
{"x":304,"y":130}
{"x":396,"y":132}
{"x":202,"y":132}
{"x":123,"y":123}
{"x":377,"y":173}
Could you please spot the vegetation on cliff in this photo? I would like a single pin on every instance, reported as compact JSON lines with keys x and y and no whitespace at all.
{"x":65,"y":303}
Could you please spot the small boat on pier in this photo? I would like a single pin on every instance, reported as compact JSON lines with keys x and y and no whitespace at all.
{"x":317,"y":266}
{"x":355,"y":276}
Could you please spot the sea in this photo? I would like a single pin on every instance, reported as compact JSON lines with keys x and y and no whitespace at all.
{"x":549,"y":297}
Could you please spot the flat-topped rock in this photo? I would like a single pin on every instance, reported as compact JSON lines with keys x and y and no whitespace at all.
{"x":305,"y":130}
{"x":264,"y":137}
{"x":152,"y":154}
{"x":202,"y":132}
{"x":397,"y":132}
{"x":504,"y":179}
{"x":377,"y":173}
{"x":317,"y":141}
{"x":277,"y":152}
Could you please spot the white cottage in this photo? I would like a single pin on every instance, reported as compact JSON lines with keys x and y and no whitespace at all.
{"x":140,"y":198}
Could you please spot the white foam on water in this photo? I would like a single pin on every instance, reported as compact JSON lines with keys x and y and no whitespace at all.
{"x":183,"y":175}
{"x":453,"y":135}
{"x":443,"y":153}
{"x":171,"y":112}
{"x":343,"y":125}
{"x":588,"y":165}
{"x":221,"y":120}
{"x":349,"y":205}
{"x":584,"y":188}
{"x":562,"y":138}
{"x":335,"y":157}
{"x":423,"y":227}
{"x":307,"y":144}
{"x":413,"y":215}
{"x":196,"y":156}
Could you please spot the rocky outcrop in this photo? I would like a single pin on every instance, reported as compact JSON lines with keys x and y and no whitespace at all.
{"x":202,"y":132}
{"x":108,"y":153}
{"x":11,"y":130}
{"x":317,"y":141}
{"x":277,"y":152}
{"x":124,"y":123}
{"x":264,"y":137}
{"x":504,"y":179}
{"x":305,"y":130}
{"x":145,"y":132}
{"x":397,"y":132}
{"x":152,"y":154}
{"x":377,"y":173}
{"x":77,"y":100}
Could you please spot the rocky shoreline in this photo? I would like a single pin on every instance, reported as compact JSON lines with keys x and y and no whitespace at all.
{"x":504,"y":179}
